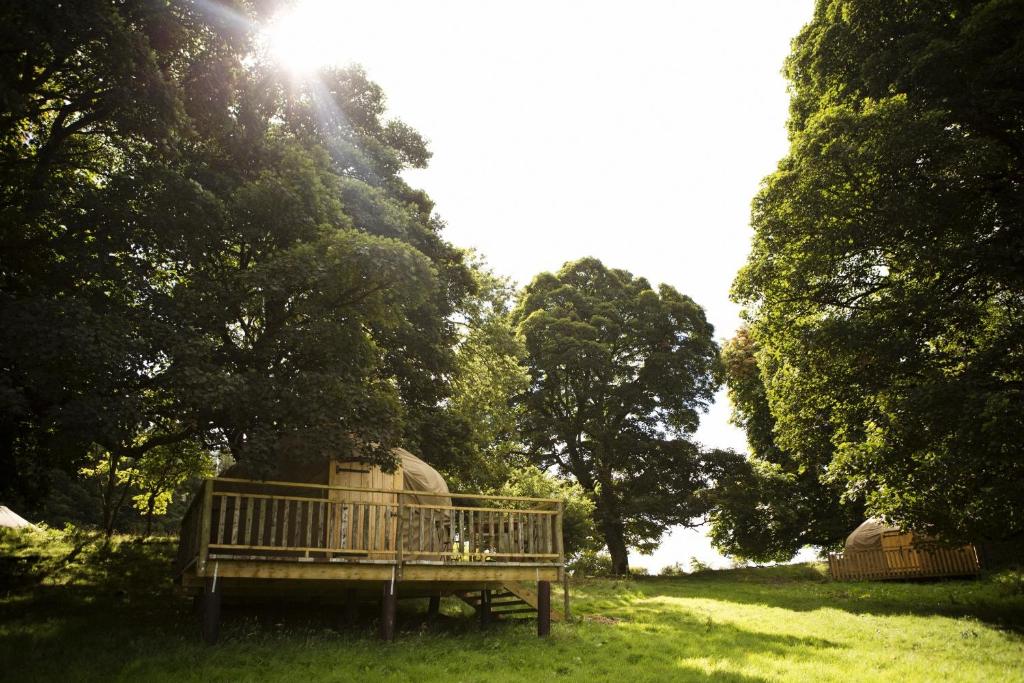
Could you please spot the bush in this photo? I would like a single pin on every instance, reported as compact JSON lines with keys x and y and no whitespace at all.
{"x":591,"y":563}
{"x":696,"y":566}
{"x":675,"y":569}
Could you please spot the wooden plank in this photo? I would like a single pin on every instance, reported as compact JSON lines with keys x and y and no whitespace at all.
{"x":275,"y":531}
{"x":321,"y":529}
{"x":262,"y":516}
{"x":218,"y":536}
{"x":360,"y":527}
{"x":422,"y":518}
{"x":236,"y":513}
{"x":309,"y":524}
{"x":286,"y":536}
{"x":247,"y":535}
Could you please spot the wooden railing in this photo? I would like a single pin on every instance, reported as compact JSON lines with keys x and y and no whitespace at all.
{"x":242,"y":519}
{"x":904,"y":563}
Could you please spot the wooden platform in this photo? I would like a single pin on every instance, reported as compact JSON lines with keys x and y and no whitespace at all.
{"x":904,"y":562}
{"x":243,"y":538}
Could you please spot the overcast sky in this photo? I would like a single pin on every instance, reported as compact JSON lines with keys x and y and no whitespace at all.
{"x":636,"y":132}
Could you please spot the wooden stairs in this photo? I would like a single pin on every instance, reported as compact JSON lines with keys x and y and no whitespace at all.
{"x":514,"y":598}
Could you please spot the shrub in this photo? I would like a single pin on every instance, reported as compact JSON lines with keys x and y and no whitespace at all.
{"x":674,"y":569}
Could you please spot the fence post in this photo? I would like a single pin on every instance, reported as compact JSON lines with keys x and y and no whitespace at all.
{"x":204,"y":527}
{"x":400,"y":531}
{"x":559,"y":543}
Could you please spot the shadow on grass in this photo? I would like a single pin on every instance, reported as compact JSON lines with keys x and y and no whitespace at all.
{"x":810,"y":591}
{"x":114,"y":612}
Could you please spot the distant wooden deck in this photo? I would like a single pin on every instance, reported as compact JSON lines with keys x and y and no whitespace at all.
{"x":904,"y":562}
{"x":255,"y":538}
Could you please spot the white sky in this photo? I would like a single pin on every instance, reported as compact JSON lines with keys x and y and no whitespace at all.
{"x":634,"y":132}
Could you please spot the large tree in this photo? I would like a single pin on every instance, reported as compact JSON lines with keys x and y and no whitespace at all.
{"x":196,"y":246}
{"x":772,"y":503}
{"x":886,"y":281}
{"x":620,"y":373}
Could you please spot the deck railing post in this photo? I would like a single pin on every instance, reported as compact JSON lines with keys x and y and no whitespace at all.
{"x":204,"y":527}
{"x":559,"y":543}
{"x":400,"y":532}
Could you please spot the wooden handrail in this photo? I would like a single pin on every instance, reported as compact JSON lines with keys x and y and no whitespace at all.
{"x":425,"y":494}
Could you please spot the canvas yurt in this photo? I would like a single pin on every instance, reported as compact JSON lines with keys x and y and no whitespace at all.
{"x":9,"y":519}
{"x":362,"y":520}
{"x":879,"y":550}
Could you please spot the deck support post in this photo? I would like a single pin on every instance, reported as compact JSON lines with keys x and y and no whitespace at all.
{"x":388,"y":607}
{"x":484,"y":608}
{"x":210,"y":617}
{"x":543,"y":608}
{"x":433,"y":607}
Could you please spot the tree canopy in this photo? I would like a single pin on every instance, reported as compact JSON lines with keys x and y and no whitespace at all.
{"x":771,"y":504}
{"x":619,"y":375}
{"x":197,"y":247}
{"x":884,"y":287}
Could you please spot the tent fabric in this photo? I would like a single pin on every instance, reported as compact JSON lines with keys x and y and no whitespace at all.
{"x":9,"y":519}
{"x":868,"y":536}
{"x":419,"y":476}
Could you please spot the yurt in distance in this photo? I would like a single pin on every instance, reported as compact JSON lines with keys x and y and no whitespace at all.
{"x":877,"y":550}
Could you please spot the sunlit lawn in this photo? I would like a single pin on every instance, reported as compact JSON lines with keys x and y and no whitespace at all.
{"x":115,"y":616}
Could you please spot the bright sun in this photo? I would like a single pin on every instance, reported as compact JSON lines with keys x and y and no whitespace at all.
{"x":304,"y":38}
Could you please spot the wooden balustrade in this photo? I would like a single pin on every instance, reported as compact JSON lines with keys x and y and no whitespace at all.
{"x":302,"y":522}
{"x":904,"y":563}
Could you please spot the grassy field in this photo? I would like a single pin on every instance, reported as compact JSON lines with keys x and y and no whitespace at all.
{"x":72,"y":609}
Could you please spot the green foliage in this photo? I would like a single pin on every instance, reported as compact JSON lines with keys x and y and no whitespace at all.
{"x":619,"y":374}
{"x":578,"y":530}
{"x":884,"y":285}
{"x":199,"y":250}
{"x":488,"y":374}
{"x":674,"y":569}
{"x":591,"y":563}
{"x":771,"y":504}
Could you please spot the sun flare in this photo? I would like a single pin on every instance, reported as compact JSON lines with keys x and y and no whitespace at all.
{"x":303,"y":38}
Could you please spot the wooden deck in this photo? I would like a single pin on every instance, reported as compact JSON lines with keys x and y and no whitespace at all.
{"x":243,"y":538}
{"x":904,"y":562}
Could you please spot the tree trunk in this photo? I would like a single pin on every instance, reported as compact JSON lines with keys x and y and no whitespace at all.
{"x":611,"y":525}
{"x":151,"y":504}
{"x":615,"y":538}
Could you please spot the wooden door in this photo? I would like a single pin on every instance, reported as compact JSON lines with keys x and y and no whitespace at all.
{"x":364,"y":522}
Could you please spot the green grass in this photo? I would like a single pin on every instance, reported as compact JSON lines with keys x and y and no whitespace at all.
{"x":110,"y":613}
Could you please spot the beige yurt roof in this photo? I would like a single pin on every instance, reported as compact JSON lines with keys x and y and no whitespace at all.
{"x":11,"y":520}
{"x":419,"y":476}
{"x":868,"y":536}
